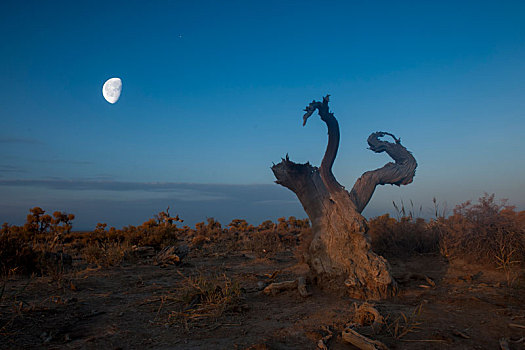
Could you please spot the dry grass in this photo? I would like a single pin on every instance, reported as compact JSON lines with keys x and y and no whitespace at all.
{"x":398,"y":326}
{"x":203,"y":298}
{"x":107,"y":253}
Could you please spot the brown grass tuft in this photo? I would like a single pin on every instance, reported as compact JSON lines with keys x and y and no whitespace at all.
{"x":203,"y":298}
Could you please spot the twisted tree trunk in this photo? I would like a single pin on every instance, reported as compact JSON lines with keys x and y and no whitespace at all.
{"x":339,"y":255}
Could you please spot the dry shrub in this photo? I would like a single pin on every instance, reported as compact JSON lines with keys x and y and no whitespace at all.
{"x":203,"y":297}
{"x":199,"y":240}
{"x":159,"y":232}
{"x":148,"y":234}
{"x":265,"y":239}
{"x":240,"y":225}
{"x":45,"y":232}
{"x":486,"y":232}
{"x":16,"y":255}
{"x":405,"y":236}
{"x":264,"y":243}
{"x":269,"y":238}
{"x":105,"y":254}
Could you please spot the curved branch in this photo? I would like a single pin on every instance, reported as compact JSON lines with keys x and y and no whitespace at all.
{"x":333,"y":142}
{"x":401,"y":172}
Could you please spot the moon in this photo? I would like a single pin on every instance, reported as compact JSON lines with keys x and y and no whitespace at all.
{"x":112,"y":89}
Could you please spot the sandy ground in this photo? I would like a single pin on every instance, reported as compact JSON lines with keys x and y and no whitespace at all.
{"x":128,"y":307}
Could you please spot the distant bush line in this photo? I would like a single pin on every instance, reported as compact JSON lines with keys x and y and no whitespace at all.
{"x":487,"y":232}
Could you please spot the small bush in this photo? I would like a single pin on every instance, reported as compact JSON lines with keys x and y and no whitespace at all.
{"x":32,"y":248}
{"x":264,"y":243}
{"x":199,"y":240}
{"x":486,"y":232}
{"x":16,"y":255}
{"x":405,"y":236}
{"x":106,"y":254}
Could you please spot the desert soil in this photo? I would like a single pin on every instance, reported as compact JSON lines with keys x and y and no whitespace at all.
{"x":128,"y":307}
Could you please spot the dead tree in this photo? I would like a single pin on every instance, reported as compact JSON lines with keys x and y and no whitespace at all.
{"x":339,"y":255}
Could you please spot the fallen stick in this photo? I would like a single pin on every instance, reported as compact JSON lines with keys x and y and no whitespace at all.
{"x":515,"y":325}
{"x":277,"y":287}
{"x":416,"y":276}
{"x":360,"y":341}
{"x":460,"y":334}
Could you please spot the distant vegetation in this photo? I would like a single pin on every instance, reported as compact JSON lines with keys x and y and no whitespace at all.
{"x":487,"y":232}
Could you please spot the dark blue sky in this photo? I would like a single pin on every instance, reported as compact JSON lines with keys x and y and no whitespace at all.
{"x":213,"y":93}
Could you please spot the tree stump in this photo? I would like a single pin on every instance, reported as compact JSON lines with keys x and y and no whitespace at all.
{"x":340,"y":256}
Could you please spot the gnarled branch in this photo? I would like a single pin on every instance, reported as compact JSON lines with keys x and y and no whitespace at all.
{"x":399,"y":173}
{"x":333,"y":141}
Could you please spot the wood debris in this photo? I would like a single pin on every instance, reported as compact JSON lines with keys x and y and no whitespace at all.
{"x":460,"y":334}
{"x":167,"y":256}
{"x":367,"y":314}
{"x":515,"y":325}
{"x":322,"y":343}
{"x":360,"y":341}
{"x":277,"y":287}
{"x":405,"y":278}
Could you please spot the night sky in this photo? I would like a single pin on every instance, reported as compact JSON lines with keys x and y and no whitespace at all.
{"x":213,"y":93}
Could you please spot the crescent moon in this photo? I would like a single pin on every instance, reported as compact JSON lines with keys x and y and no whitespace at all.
{"x":112,"y":89}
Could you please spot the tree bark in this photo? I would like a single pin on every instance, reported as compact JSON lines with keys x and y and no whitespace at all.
{"x":340,"y":256}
